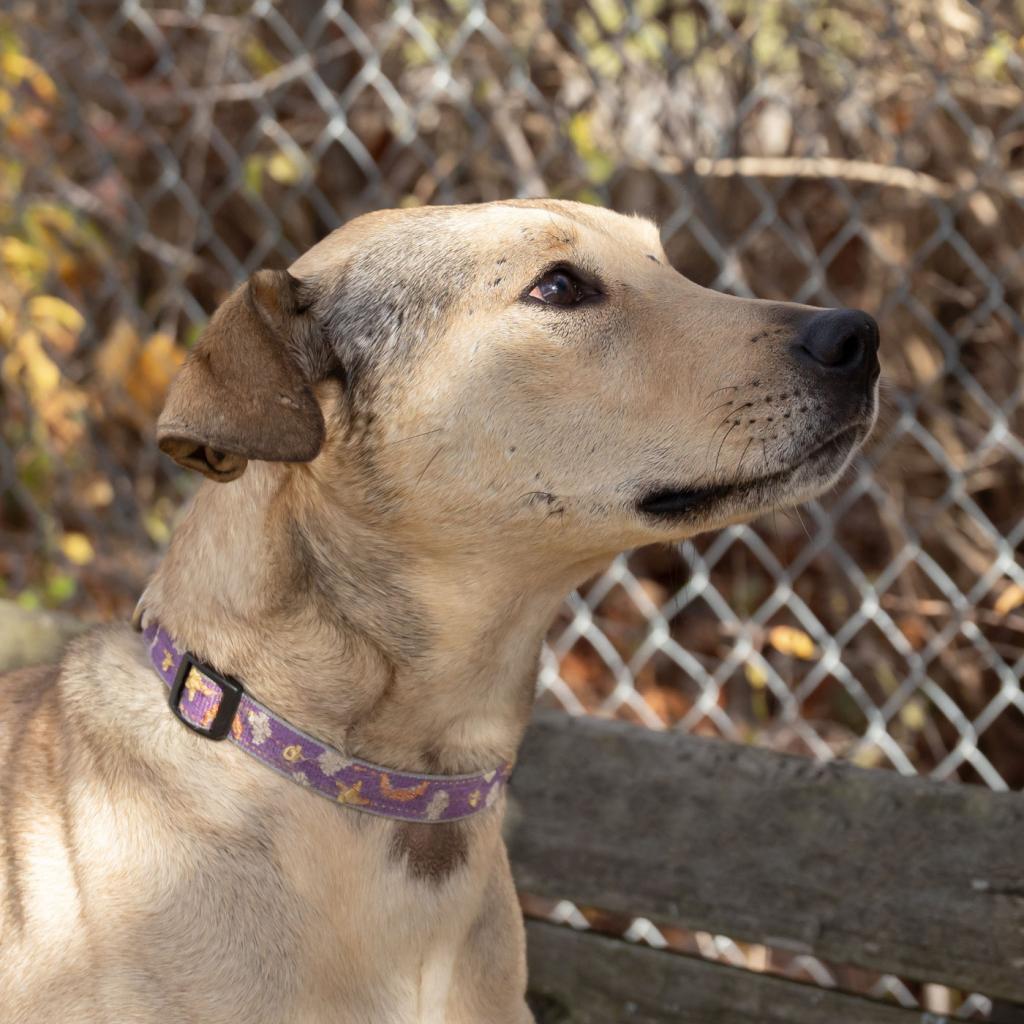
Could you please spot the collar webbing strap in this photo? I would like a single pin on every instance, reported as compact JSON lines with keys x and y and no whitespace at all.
{"x":217,"y":707}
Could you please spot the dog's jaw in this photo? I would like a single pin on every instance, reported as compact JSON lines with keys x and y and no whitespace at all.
{"x":706,"y":507}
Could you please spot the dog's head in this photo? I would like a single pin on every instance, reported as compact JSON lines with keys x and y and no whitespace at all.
{"x":532,"y":375}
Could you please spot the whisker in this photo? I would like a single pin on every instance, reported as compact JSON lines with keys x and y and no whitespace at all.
{"x":715,"y":409}
{"x":719,"y":390}
{"x":720,"y":447}
{"x":744,"y":455}
{"x":428,"y":465}
{"x":413,"y":437}
{"x":732,"y":413}
{"x":732,"y":387}
{"x":714,"y":434}
{"x":800,"y":519}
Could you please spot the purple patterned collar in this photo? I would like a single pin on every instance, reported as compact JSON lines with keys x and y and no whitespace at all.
{"x":218,"y":707}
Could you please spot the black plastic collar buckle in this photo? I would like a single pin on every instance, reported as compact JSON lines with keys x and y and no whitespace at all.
{"x":231,"y":696}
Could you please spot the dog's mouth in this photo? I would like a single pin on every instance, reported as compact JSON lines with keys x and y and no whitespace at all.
{"x":815,"y":470}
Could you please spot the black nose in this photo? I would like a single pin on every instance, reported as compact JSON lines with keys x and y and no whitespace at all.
{"x":840,"y":341}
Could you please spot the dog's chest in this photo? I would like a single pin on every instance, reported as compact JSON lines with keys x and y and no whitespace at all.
{"x":436,"y":976}
{"x":375,"y":934}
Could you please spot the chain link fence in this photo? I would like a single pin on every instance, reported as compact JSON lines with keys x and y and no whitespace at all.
{"x":852,"y":153}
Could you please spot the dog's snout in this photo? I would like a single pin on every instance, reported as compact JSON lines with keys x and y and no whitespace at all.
{"x":840,"y":341}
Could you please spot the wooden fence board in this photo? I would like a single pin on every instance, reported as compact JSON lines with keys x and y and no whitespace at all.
{"x":592,"y":979}
{"x":904,"y":875}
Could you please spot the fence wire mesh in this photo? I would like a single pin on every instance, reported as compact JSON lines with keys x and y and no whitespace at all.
{"x":850,"y":153}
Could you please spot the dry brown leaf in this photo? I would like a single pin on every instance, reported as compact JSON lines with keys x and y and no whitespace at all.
{"x":915,"y":629}
{"x":1012,"y":597}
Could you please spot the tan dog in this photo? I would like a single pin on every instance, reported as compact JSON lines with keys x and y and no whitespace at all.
{"x":421,"y":438}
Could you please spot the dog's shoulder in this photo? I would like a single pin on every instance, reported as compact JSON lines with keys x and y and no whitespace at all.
{"x":22,"y":687}
{"x":47,"y":711}
{"x":104,"y":658}
{"x":25,"y":694}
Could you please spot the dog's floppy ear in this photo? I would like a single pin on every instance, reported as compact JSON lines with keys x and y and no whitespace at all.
{"x":242,"y":393}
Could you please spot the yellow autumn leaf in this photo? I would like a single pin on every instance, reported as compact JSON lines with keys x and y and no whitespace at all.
{"x":117,"y":353}
{"x":19,"y":255}
{"x":157,"y":529}
{"x":77,"y":548}
{"x":912,"y":715}
{"x":16,"y":67}
{"x":151,"y":376}
{"x":258,"y":57}
{"x":792,"y":641}
{"x":286,"y":168}
{"x":756,"y":676}
{"x":48,"y":223}
{"x":98,"y":494}
{"x":868,"y":756}
{"x":63,"y":412}
{"x":28,"y":358}
{"x":49,"y":307}
{"x":8,"y":325}
{"x":58,"y":321}
{"x":1012,"y":597}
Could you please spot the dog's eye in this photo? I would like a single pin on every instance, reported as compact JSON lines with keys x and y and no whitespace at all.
{"x":560,"y":288}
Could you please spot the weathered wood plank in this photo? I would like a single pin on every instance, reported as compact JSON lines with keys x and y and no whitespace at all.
{"x":906,"y":875}
{"x":593,"y":979}
{"x":1006,"y":1013}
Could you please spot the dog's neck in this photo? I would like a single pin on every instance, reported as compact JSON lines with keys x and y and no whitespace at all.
{"x":407,"y":660}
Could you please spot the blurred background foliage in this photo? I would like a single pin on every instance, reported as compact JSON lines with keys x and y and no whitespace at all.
{"x":153,"y":155}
